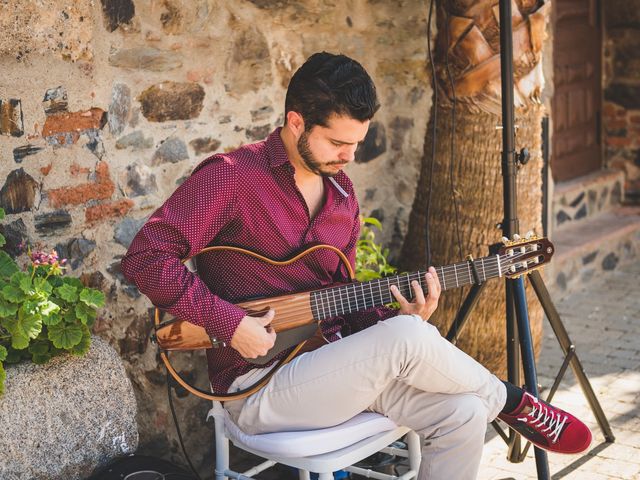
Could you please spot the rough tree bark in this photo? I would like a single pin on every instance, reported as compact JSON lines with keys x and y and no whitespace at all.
{"x":468,"y":41}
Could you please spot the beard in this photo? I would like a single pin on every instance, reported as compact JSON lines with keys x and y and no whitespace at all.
{"x":311,"y":162}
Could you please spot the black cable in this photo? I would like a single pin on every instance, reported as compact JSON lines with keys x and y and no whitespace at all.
{"x":433,"y":130}
{"x":175,"y":422}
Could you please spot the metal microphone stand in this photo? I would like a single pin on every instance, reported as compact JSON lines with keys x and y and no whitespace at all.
{"x":519,"y":342}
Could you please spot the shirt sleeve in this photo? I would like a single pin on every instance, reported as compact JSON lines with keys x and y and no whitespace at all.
{"x":186,"y":223}
{"x":357,"y":321}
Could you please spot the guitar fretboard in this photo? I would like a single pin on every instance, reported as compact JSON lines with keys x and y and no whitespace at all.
{"x":357,"y":296}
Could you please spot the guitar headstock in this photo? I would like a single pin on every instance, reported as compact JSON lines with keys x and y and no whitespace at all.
{"x":524,"y":255}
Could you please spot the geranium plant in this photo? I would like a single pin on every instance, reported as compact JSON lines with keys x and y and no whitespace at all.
{"x":371,"y":258}
{"x":42,"y":312}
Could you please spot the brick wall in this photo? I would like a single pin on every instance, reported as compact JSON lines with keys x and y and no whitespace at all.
{"x":621,"y":111}
{"x":106,"y":106}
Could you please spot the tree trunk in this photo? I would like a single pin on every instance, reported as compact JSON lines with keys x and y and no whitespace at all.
{"x":472,"y":36}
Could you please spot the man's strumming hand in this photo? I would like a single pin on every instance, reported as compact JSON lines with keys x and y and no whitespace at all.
{"x":421,"y":306}
{"x":253,"y":337}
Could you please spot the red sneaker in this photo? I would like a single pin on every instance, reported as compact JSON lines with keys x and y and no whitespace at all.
{"x":548,"y":427}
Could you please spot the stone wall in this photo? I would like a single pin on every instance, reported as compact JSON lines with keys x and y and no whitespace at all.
{"x":106,"y":106}
{"x":621,"y":111}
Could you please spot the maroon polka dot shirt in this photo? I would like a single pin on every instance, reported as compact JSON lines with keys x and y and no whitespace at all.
{"x":247,"y":198}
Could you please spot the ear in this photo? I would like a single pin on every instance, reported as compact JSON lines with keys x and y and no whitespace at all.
{"x":295,"y":123}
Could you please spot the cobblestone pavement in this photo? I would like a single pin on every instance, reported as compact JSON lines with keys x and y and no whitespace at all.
{"x":603,"y":321}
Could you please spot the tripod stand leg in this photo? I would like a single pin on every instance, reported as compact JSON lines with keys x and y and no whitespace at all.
{"x":528,"y":361}
{"x":566,"y":345}
{"x":463,"y":314}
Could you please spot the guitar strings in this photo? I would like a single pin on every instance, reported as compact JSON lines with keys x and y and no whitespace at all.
{"x":404,"y":282}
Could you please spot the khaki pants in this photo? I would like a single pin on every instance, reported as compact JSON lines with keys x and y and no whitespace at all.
{"x":401,"y":368}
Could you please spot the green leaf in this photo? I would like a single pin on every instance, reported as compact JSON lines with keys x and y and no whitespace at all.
{"x":39,"y":348}
{"x":74,"y":282}
{"x":85,"y":313}
{"x":43,"y":285}
{"x":372,"y":221}
{"x":67,"y":292}
{"x":13,"y":294}
{"x":1,"y":213}
{"x":14,"y":356}
{"x":41,"y":359}
{"x":7,"y":309}
{"x":3,"y":241}
{"x":48,"y":308}
{"x":65,"y":335}
{"x":22,"y":328}
{"x":7,"y":266}
{"x":92,"y":297}
{"x":83,"y":347}
{"x":53,"y":319}
{"x":3,"y":353}
{"x":22,"y":280}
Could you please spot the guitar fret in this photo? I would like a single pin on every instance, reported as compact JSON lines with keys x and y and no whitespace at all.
{"x":483,"y":272}
{"x":444,"y":280}
{"x":335,"y":304}
{"x":456,"y":274}
{"x":355,"y":297}
{"x":341,"y":304}
{"x":381,"y":296}
{"x":499,"y":266}
{"x":373,"y":300}
{"x":409,"y":285}
{"x":364,"y":297}
{"x":469,"y":272}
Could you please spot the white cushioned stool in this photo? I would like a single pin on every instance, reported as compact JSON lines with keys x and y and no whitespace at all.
{"x":321,"y":451}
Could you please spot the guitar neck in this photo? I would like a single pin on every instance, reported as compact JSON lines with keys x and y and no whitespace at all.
{"x":357,"y":296}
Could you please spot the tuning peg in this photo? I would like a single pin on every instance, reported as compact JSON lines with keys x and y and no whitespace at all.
{"x":529,"y":235}
{"x":516,"y":237}
{"x":505,"y":240}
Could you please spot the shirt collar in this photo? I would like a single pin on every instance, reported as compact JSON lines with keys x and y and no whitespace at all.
{"x":277,"y":153}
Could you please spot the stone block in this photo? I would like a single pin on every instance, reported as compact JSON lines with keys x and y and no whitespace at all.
{"x":65,"y":128}
{"x":55,"y":100}
{"x":172,"y":101}
{"x":16,"y":236}
{"x":52,"y":222}
{"x":140,"y":181}
{"x":135,"y":140}
{"x":146,"y":58}
{"x":204,"y":145}
{"x":108,"y":210}
{"x":117,"y":12}
{"x":102,"y":189}
{"x":119,"y":108}
{"x":19,"y":192}
{"x":68,"y":417}
{"x":627,"y":96}
{"x":11,"y":122}
{"x":374,"y":145}
{"x":622,"y":14}
{"x":172,"y":150}
{"x":126,"y":230}
{"x":20,"y":152}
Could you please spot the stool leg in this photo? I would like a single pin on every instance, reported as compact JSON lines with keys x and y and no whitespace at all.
{"x":222,"y":451}
{"x":303,"y":474}
{"x":415,"y":451}
{"x":325,"y":476}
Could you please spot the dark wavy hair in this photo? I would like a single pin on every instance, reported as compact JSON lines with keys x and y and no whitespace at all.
{"x":329,"y":84}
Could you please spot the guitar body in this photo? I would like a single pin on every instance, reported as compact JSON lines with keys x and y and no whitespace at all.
{"x":294,"y":321}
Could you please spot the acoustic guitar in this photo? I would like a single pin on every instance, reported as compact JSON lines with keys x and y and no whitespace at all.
{"x":298,"y":315}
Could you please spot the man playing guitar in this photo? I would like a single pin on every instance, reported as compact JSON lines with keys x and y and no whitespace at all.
{"x":277,"y":197}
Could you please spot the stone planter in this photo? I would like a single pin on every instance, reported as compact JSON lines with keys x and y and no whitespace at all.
{"x":64,"y":419}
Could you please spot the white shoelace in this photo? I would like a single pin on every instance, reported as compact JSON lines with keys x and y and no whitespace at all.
{"x":541,"y":416}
